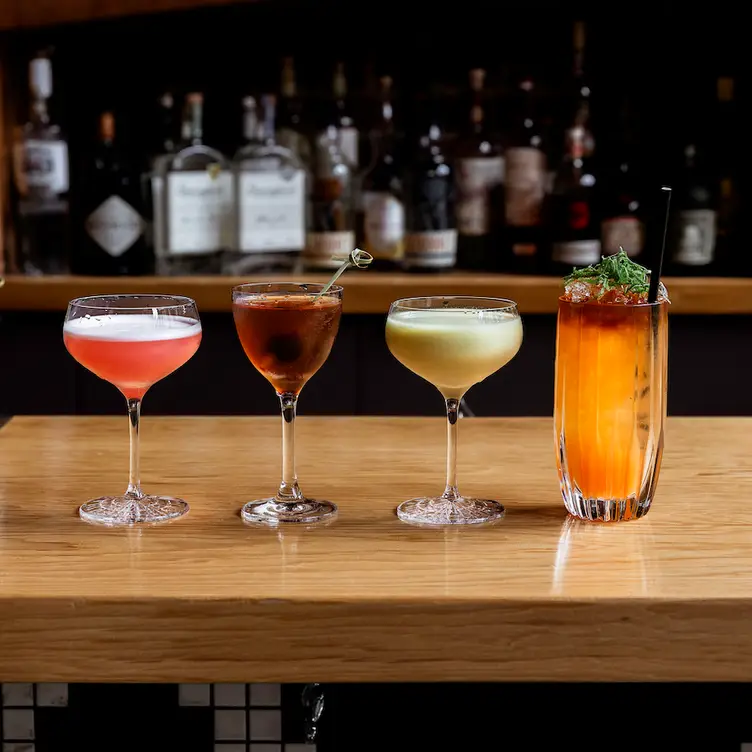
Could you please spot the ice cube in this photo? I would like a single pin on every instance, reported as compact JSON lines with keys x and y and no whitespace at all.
{"x":663,"y":293}
{"x":578,"y":291}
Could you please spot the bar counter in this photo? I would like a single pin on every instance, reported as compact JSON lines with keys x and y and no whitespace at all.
{"x":537,"y":596}
{"x":369,"y":291}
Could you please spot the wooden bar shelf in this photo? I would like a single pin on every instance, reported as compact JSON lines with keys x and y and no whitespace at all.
{"x":368,"y":291}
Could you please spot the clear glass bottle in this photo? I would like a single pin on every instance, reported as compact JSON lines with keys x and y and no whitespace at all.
{"x":270,"y":189}
{"x":41,"y":178}
{"x":382,"y":233}
{"x":331,"y":228}
{"x":197,"y":202}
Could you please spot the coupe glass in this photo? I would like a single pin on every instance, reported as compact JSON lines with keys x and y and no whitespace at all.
{"x":287,"y":331}
{"x":132,"y":341}
{"x":453,"y":342}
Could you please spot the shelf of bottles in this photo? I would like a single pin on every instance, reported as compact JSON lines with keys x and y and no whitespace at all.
{"x":306,"y":185}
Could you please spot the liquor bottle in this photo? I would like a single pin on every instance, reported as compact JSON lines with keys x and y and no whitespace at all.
{"x":153,"y":185}
{"x":575,"y":225}
{"x":289,"y":120}
{"x":252,"y":127}
{"x":270,"y":190}
{"x":622,"y":223}
{"x":344,"y":121}
{"x":332,"y":225}
{"x":579,"y":115}
{"x":383,"y":211}
{"x":197,"y":201}
{"x":41,"y":178}
{"x":431,"y":239}
{"x":111,"y":232}
{"x":479,"y":176}
{"x":693,"y":230}
{"x":525,"y":185}
{"x":729,"y":200}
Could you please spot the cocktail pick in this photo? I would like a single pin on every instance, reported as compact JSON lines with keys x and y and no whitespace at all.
{"x":359,"y":259}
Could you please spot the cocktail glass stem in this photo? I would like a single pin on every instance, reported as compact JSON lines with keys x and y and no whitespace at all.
{"x":134,"y":476}
{"x":451,"y":493}
{"x":289,"y":491}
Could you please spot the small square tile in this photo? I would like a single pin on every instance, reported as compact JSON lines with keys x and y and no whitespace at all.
{"x":229,"y":724}
{"x":53,"y":695}
{"x":265,"y":725}
{"x":18,"y":747}
{"x":194,"y":694}
{"x":269,"y":695}
{"x":300,"y":748}
{"x":229,"y":695}
{"x":265,"y":748}
{"x":18,"y":724}
{"x":17,"y":695}
{"x":229,"y":748}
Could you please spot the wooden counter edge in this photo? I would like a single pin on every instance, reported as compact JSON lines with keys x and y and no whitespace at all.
{"x":369,"y":292}
{"x":175,"y":640}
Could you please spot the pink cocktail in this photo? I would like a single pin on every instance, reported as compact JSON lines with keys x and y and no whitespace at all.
{"x":132,"y":341}
{"x":132,"y":351}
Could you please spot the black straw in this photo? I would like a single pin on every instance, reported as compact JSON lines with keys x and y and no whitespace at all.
{"x":657,"y":265}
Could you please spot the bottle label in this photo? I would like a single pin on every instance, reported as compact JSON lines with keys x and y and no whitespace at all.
{"x":321,"y":246}
{"x":525,"y":186}
{"x":384,"y":225}
{"x":114,"y":226}
{"x":199,"y":212}
{"x":577,"y":252}
{"x":695,"y":241}
{"x":348,"y":144}
{"x":41,"y":165}
{"x":476,"y":178}
{"x":622,"y":232}
{"x":271,"y":206}
{"x":431,"y":250}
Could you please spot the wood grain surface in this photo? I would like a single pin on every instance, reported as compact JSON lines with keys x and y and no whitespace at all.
{"x":367,"y":598}
{"x":368,"y":291}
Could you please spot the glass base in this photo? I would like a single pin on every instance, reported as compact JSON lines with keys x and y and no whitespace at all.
{"x":275,"y":512}
{"x":606,"y":510}
{"x":123,"y":510}
{"x":439,"y":510}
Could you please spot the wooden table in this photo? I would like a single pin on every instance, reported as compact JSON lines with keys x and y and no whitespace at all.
{"x":368,"y":291}
{"x":206,"y":598}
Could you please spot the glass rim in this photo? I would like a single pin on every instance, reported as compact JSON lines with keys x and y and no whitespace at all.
{"x":251,"y":288}
{"x":509,"y":304}
{"x":563,"y":299}
{"x":175,"y":301}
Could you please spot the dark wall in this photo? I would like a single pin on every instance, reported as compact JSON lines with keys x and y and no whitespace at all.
{"x":709,"y":374}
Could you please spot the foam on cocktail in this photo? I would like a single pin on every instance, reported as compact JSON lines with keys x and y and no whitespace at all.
{"x":454,"y":348}
{"x":134,"y":327}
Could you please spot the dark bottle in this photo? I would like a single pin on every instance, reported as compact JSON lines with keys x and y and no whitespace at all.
{"x":727,"y":140}
{"x":622,"y":224}
{"x":382,"y":211}
{"x":110,"y":225}
{"x":479,"y":172}
{"x":575,"y":225}
{"x":431,"y":239}
{"x":290,"y":133}
{"x":525,"y":186}
{"x":344,"y":121}
{"x":693,"y":218}
{"x":579,"y":113}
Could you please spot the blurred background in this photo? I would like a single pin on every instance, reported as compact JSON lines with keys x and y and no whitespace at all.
{"x":508,"y":140}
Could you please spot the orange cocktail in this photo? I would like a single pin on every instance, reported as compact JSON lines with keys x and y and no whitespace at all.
{"x":610,"y":404}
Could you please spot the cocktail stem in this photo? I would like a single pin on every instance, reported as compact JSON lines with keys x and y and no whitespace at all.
{"x":288,"y":490}
{"x":451,"y":493}
{"x":134,"y":477}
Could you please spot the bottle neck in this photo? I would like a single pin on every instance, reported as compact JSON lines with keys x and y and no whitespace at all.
{"x":268,"y":135}
{"x":39,"y":112}
{"x":250,"y":126}
{"x":194,"y":128}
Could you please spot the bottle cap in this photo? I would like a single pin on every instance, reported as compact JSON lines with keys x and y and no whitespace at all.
{"x":40,"y":77}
